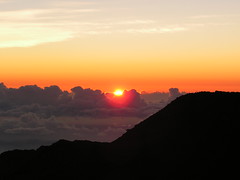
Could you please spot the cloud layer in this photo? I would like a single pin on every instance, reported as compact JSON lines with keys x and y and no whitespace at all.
{"x":31,"y":116}
{"x":52,"y":101}
{"x":30,"y":23}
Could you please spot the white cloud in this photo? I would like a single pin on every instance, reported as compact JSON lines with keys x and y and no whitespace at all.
{"x":207,"y":16}
{"x":26,"y":26}
{"x":156,"y":30}
{"x":27,"y":35}
{"x":71,"y":3}
{"x":138,"y":21}
{"x":42,"y":14}
{"x":31,"y":27}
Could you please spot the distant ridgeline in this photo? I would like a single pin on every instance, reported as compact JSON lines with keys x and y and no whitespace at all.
{"x":194,"y":137}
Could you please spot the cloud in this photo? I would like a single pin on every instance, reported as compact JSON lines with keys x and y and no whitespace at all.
{"x":52,"y":101}
{"x":136,"y":21}
{"x":31,"y":27}
{"x":72,"y":3}
{"x":208,"y":16}
{"x":156,"y":30}
{"x":31,"y":24}
{"x":29,"y":124}
{"x":155,"y":97}
{"x":36,"y":26}
{"x":30,"y":35}
{"x":174,"y":93}
{"x":28,"y":131}
{"x":31,"y":116}
{"x":31,"y":130}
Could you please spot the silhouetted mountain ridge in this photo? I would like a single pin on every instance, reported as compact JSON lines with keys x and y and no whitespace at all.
{"x":194,"y":137}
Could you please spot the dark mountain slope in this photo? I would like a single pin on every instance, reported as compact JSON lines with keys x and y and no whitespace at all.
{"x":63,"y":159}
{"x":194,"y":137}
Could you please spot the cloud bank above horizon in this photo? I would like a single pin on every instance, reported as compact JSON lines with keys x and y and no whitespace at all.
{"x":31,"y":116}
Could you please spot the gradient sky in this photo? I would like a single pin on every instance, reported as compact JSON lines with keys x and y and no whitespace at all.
{"x":148,"y":45}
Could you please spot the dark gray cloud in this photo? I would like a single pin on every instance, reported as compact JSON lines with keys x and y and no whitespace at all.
{"x":31,"y":116}
{"x":52,"y":101}
{"x":155,"y":97}
{"x":32,"y":131}
{"x":174,"y":92}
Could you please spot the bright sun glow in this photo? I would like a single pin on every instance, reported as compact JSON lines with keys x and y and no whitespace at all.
{"x":118,"y":92}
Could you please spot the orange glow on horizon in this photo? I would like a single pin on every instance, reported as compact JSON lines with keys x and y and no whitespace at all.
{"x":108,"y":86}
{"x":152,"y":49}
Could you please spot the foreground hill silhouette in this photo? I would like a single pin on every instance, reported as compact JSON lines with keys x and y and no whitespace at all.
{"x":194,"y":137}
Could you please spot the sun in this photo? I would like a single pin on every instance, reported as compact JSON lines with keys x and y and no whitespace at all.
{"x":118,"y":92}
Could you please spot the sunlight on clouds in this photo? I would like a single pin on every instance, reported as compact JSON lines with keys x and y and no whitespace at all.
{"x":30,"y":23}
{"x":30,"y":36}
{"x":136,"y":22}
{"x":71,"y":3}
{"x":53,"y":21}
{"x":62,"y":20}
{"x":23,"y":15}
{"x":42,"y":14}
{"x":30,"y":28}
{"x":215,"y":16}
{"x":157,"y":30}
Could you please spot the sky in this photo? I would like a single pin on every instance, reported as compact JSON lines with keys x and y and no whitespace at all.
{"x":148,"y":45}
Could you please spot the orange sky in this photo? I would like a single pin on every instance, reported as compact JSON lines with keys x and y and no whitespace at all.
{"x":128,"y":44}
